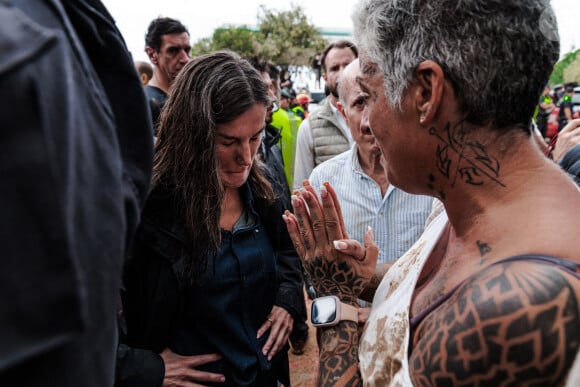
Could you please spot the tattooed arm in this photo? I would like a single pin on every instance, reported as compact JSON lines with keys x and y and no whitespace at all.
{"x":514,"y":323}
{"x":336,"y":267}
{"x":369,"y":291}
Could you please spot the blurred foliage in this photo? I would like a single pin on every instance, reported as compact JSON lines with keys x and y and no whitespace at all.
{"x":239,"y":39}
{"x":558,"y":74}
{"x":572,"y":72}
{"x":288,"y":36}
{"x":284,"y":38}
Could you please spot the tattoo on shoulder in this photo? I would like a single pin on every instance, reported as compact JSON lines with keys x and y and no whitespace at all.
{"x":511,"y":324}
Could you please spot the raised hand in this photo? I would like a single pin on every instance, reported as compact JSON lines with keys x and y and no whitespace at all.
{"x":337,"y":265}
{"x":568,"y":137}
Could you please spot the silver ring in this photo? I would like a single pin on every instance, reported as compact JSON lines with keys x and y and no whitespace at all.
{"x":271,"y":321}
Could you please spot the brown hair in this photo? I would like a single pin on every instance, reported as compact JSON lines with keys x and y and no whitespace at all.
{"x":210,"y":90}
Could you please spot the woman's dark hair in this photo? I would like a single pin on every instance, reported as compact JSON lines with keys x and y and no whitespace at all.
{"x":212,"y":89}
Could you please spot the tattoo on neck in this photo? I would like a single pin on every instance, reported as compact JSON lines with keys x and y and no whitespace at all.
{"x":460,"y":158}
{"x":431,"y":185}
{"x":483,"y":247}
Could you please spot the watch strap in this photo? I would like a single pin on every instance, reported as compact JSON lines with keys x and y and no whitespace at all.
{"x":348,"y":312}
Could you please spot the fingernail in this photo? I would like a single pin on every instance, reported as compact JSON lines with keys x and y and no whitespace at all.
{"x":305,"y":183}
{"x":323,"y":191}
{"x":295,"y":201}
{"x":285,"y":218}
{"x":369,"y":228}
{"x":338,"y":245}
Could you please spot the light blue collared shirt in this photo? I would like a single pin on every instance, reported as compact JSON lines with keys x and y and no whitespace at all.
{"x":397,"y":219}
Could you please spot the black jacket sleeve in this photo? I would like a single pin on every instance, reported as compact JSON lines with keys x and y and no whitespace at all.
{"x":290,"y":294}
{"x":139,"y":368}
{"x":571,"y":163}
{"x":76,"y":148}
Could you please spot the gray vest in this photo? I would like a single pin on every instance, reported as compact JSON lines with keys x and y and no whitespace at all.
{"x":328,"y":139}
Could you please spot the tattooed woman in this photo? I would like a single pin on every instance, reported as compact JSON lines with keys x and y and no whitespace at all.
{"x":489,"y":294}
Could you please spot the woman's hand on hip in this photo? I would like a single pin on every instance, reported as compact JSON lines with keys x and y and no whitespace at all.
{"x":180,"y":370}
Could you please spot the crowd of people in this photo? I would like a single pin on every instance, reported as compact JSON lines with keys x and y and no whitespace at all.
{"x":166,"y":220}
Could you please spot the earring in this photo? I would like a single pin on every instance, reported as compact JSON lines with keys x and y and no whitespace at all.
{"x":424,"y":113}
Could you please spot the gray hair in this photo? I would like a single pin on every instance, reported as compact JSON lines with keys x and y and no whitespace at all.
{"x":497,"y":54}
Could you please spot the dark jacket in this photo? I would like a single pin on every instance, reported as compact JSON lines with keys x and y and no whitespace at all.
{"x":272,"y":156}
{"x":154,"y":288}
{"x":76,"y":156}
{"x":156,"y":98}
{"x":571,"y":163}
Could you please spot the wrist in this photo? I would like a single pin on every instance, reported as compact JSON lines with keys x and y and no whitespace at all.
{"x":329,"y":311}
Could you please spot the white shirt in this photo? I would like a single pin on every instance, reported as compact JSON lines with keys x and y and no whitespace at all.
{"x":384,"y":344}
{"x":304,"y":162}
{"x":397,"y":219}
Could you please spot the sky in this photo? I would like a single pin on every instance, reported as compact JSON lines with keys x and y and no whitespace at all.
{"x":202,"y":17}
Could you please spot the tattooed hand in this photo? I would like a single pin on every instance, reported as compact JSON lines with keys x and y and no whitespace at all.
{"x":337,"y":265}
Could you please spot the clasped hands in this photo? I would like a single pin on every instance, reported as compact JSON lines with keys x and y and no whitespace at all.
{"x":337,"y":265}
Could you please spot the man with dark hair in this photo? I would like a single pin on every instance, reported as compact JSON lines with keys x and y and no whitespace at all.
{"x":324,"y":134}
{"x":167,"y":45}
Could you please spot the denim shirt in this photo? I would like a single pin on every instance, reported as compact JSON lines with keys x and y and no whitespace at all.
{"x":230,"y":300}
{"x":219,"y":313}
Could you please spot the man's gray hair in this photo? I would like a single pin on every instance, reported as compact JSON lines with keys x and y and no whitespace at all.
{"x":497,"y":54}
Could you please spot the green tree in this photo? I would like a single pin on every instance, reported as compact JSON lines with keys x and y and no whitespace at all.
{"x":202,"y":46}
{"x":284,"y":38}
{"x":572,"y":72}
{"x":557,"y":76}
{"x":288,"y":37}
{"x":239,"y":39}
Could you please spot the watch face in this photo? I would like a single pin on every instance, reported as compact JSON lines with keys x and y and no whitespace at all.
{"x":323,"y":310}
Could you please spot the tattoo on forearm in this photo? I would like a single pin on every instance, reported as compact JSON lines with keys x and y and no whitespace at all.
{"x":513,"y":327}
{"x":369,"y":291}
{"x":339,"y":356}
{"x":459,"y":158}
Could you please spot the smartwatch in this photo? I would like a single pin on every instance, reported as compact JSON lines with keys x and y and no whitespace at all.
{"x":329,"y":311}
